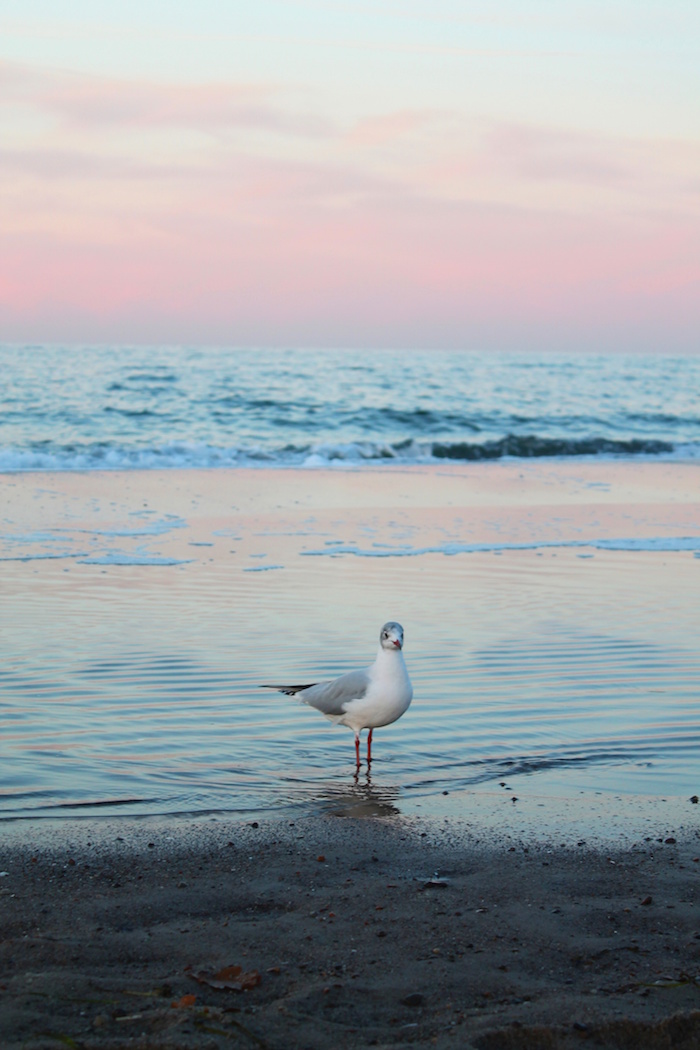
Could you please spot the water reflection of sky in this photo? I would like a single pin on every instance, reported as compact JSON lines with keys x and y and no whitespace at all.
{"x":136,"y":692}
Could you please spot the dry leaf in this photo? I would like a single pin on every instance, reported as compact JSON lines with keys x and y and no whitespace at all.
{"x":229,"y":978}
{"x":184,"y":1002}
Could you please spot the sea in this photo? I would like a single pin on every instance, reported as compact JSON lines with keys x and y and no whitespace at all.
{"x":128,"y":408}
{"x":553,"y":649}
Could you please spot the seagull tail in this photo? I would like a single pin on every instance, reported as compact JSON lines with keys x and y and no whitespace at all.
{"x":289,"y":690}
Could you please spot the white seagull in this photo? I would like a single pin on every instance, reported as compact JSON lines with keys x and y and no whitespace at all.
{"x":375,"y":696}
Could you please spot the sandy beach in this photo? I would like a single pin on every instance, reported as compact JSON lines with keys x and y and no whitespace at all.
{"x":348,"y":934}
{"x":501,"y":892}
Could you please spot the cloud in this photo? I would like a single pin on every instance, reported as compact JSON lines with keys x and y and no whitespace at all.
{"x":379,"y":130}
{"x":246,"y":213}
{"x":557,"y":155}
{"x":560,"y":170}
{"x":95,"y":125}
{"x":53,"y":165}
{"x":91,"y":103}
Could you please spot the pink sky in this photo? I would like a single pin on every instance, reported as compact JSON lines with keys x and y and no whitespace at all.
{"x":261,"y":211}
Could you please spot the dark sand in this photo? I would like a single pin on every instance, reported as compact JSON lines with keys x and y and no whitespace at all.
{"x":364,"y":933}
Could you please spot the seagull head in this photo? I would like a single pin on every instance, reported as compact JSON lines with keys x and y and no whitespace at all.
{"x":391,"y":636}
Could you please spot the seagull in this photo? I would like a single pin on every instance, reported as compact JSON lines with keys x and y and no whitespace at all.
{"x":375,"y":696}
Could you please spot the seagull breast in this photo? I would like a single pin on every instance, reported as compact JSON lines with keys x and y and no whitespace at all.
{"x":388,"y":695}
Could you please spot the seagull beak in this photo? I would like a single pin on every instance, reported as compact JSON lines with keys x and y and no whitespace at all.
{"x":397,"y":643}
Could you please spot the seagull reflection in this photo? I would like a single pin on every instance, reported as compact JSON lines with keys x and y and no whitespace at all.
{"x":361,"y":799}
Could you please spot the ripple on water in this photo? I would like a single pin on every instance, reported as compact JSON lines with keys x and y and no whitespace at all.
{"x":144,"y":699}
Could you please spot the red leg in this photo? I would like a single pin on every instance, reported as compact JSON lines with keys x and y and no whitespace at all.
{"x":357,"y":749}
{"x":369,"y":747}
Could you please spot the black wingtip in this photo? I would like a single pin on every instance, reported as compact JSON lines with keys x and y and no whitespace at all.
{"x":288,"y":690}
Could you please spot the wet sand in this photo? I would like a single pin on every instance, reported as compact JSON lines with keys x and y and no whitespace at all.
{"x":350,"y":933}
{"x":527,"y":502}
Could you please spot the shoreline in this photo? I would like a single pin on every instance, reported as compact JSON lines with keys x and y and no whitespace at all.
{"x":184,"y":518}
{"x":524,"y":814}
{"x":363,"y":933}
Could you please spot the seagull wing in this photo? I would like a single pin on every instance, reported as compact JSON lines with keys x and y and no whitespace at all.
{"x":329,"y":697}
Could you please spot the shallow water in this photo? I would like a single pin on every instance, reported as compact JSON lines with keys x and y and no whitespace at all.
{"x":134,"y":690}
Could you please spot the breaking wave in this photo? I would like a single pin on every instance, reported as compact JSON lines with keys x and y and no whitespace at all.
{"x":181,"y":455}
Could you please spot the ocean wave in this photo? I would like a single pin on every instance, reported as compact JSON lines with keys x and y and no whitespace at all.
{"x":140,"y":408}
{"x":182,"y":455}
{"x":531,"y":445}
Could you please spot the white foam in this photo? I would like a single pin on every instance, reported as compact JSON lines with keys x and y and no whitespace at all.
{"x":651,"y":543}
{"x":121,"y":558}
{"x":33,"y":537}
{"x":657,"y":543}
{"x":41,"y":556}
{"x":158,"y":528}
{"x":341,"y":455}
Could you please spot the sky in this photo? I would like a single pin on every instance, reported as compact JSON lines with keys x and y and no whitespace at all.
{"x":498,"y":175}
